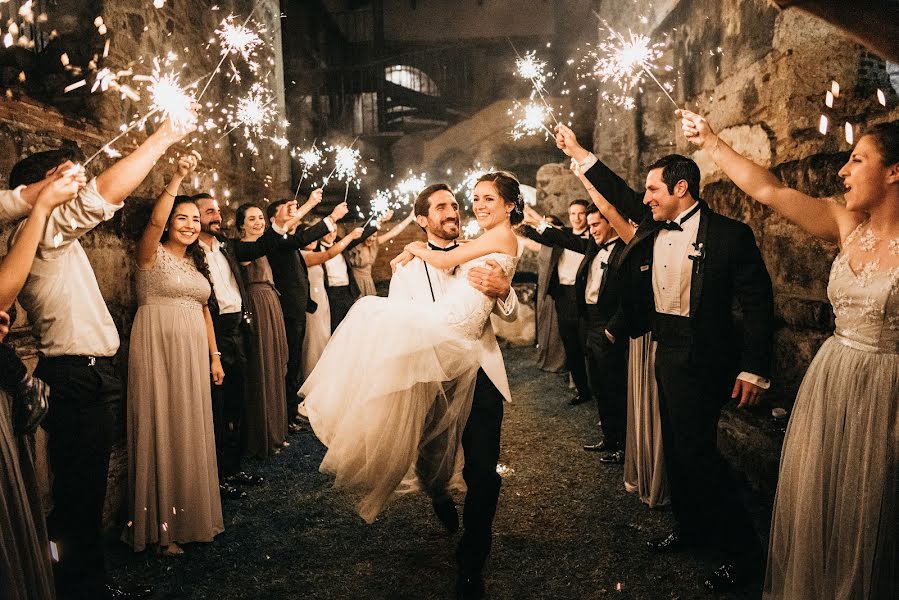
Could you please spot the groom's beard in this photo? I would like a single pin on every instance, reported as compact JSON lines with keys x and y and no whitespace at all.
{"x":447,"y":230}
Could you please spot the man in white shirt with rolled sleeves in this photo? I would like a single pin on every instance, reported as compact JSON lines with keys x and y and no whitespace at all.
{"x":77,"y":342}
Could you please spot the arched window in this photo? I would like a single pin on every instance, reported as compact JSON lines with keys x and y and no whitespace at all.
{"x":411,"y":78}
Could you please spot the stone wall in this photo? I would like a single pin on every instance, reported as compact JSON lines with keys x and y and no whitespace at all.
{"x":29,"y":125}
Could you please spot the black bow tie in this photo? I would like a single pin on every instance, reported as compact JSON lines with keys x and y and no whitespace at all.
{"x":677,"y":225}
{"x":439,"y":249}
{"x":606,"y":245}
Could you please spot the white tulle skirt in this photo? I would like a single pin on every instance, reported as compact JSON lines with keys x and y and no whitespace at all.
{"x":390,"y":396}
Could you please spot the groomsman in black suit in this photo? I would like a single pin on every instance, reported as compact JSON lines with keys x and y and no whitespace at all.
{"x":231,"y":321}
{"x":282,"y":247}
{"x":563,"y":273}
{"x":680,"y":276}
{"x":605,"y":348}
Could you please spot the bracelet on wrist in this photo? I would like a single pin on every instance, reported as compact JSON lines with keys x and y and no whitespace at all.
{"x":168,"y":192}
{"x":216,"y":354}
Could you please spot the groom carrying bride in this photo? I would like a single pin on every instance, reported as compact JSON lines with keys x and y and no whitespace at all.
{"x":437,"y":212}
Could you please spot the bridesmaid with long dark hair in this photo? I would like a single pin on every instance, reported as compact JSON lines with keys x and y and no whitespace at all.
{"x":172,"y":473}
{"x":265,"y":427}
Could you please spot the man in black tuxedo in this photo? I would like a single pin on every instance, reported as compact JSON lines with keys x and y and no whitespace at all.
{"x":680,"y":276}
{"x":231,"y":321}
{"x":598,"y":300}
{"x":282,"y":247}
{"x":564,"y":263}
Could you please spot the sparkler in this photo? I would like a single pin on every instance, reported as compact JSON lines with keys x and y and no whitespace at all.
{"x":623,"y":62}
{"x":531,"y":68}
{"x":235,"y":39}
{"x":309,"y":159}
{"x":534,"y":120}
{"x":471,"y":229}
{"x":346,"y":160}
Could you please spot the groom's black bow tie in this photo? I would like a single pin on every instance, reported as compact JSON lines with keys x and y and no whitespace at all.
{"x":439,"y":249}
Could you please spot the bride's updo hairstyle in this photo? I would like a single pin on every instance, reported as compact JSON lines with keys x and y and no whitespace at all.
{"x":509,"y":189}
{"x":887,"y":137}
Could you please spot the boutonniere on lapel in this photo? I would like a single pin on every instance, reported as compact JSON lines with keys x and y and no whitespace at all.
{"x":697,"y":256}
{"x":603,"y":265}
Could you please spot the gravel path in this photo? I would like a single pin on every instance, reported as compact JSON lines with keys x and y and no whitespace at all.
{"x":565,"y":527}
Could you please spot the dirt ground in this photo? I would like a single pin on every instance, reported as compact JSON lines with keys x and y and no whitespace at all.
{"x":565,"y":527}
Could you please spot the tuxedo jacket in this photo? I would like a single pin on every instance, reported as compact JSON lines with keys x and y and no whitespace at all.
{"x":288,"y":267}
{"x":412,"y":282}
{"x":609,"y":299}
{"x":728,"y":269}
{"x":354,"y":287}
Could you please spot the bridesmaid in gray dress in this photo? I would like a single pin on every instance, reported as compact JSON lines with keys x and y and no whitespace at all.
{"x":363,"y":256}
{"x":265,"y":426}
{"x":550,"y":351}
{"x":172,"y":475}
{"x":833,"y":532}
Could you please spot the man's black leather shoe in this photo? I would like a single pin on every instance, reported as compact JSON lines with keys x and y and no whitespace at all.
{"x":135,"y":593}
{"x":446,"y":514}
{"x":244,"y":478}
{"x":615,"y":458}
{"x":600,"y":447}
{"x":730,"y":576}
{"x":577,"y":400}
{"x":669,"y":544}
{"x":232,"y":493}
{"x":470,"y":588}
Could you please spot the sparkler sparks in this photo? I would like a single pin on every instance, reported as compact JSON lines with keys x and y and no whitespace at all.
{"x":533,"y":120}
{"x":531,"y":68}
{"x":167,"y":95}
{"x":470,"y":230}
{"x":238,"y":39}
{"x":310,"y":159}
{"x":624,"y":61}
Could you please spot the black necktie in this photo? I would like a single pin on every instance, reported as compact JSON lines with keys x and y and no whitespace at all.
{"x":439,"y":249}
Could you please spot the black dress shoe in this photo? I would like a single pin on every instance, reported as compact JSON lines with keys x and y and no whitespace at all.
{"x":615,"y":458}
{"x":577,"y":400}
{"x":135,"y":593}
{"x":730,"y":576}
{"x":232,"y":493}
{"x":669,"y":544}
{"x":603,"y":446}
{"x":446,"y":514}
{"x":244,"y":478}
{"x":470,"y":588}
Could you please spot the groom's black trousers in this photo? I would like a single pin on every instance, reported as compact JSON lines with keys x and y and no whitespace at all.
{"x":704,"y":495}
{"x":480,"y":443}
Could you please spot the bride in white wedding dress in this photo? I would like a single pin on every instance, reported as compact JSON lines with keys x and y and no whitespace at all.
{"x":397,"y":375}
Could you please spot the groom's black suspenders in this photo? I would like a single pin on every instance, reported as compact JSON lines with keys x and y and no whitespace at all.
{"x":430,"y":287}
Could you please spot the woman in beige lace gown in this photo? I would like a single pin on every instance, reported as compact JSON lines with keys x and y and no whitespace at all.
{"x":833,"y":533}
{"x":173,"y":483}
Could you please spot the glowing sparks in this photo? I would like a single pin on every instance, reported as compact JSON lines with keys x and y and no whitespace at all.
{"x":410,"y":186}
{"x":381,"y":203}
{"x":850,"y":133}
{"x":881,"y":98}
{"x":158,"y":3}
{"x":238,"y":39}
{"x":828,"y":99}
{"x":532,"y":121}
{"x":346,"y":164}
{"x":823,"y":125}
{"x":311,"y":158}
{"x":623,"y":61}
{"x":167,"y":96}
{"x":531,"y":68}
{"x":471,"y":176}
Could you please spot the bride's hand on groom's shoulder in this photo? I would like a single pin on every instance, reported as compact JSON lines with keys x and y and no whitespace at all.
{"x":401,"y":260}
{"x":415,"y":248}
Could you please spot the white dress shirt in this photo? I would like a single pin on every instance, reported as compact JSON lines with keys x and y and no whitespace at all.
{"x":336,"y":269}
{"x":672,"y":270}
{"x":12,"y":206}
{"x":64,"y":304}
{"x":227,"y":292}
{"x":598,"y":272}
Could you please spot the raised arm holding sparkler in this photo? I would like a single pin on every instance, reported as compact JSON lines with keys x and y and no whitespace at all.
{"x":824,"y":218}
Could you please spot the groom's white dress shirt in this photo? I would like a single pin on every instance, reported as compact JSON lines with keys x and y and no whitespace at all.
{"x":412,"y":282}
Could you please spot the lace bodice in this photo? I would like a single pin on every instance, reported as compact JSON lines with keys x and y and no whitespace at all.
{"x":172,"y":280}
{"x":864,"y":291}
{"x":466,"y":309}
